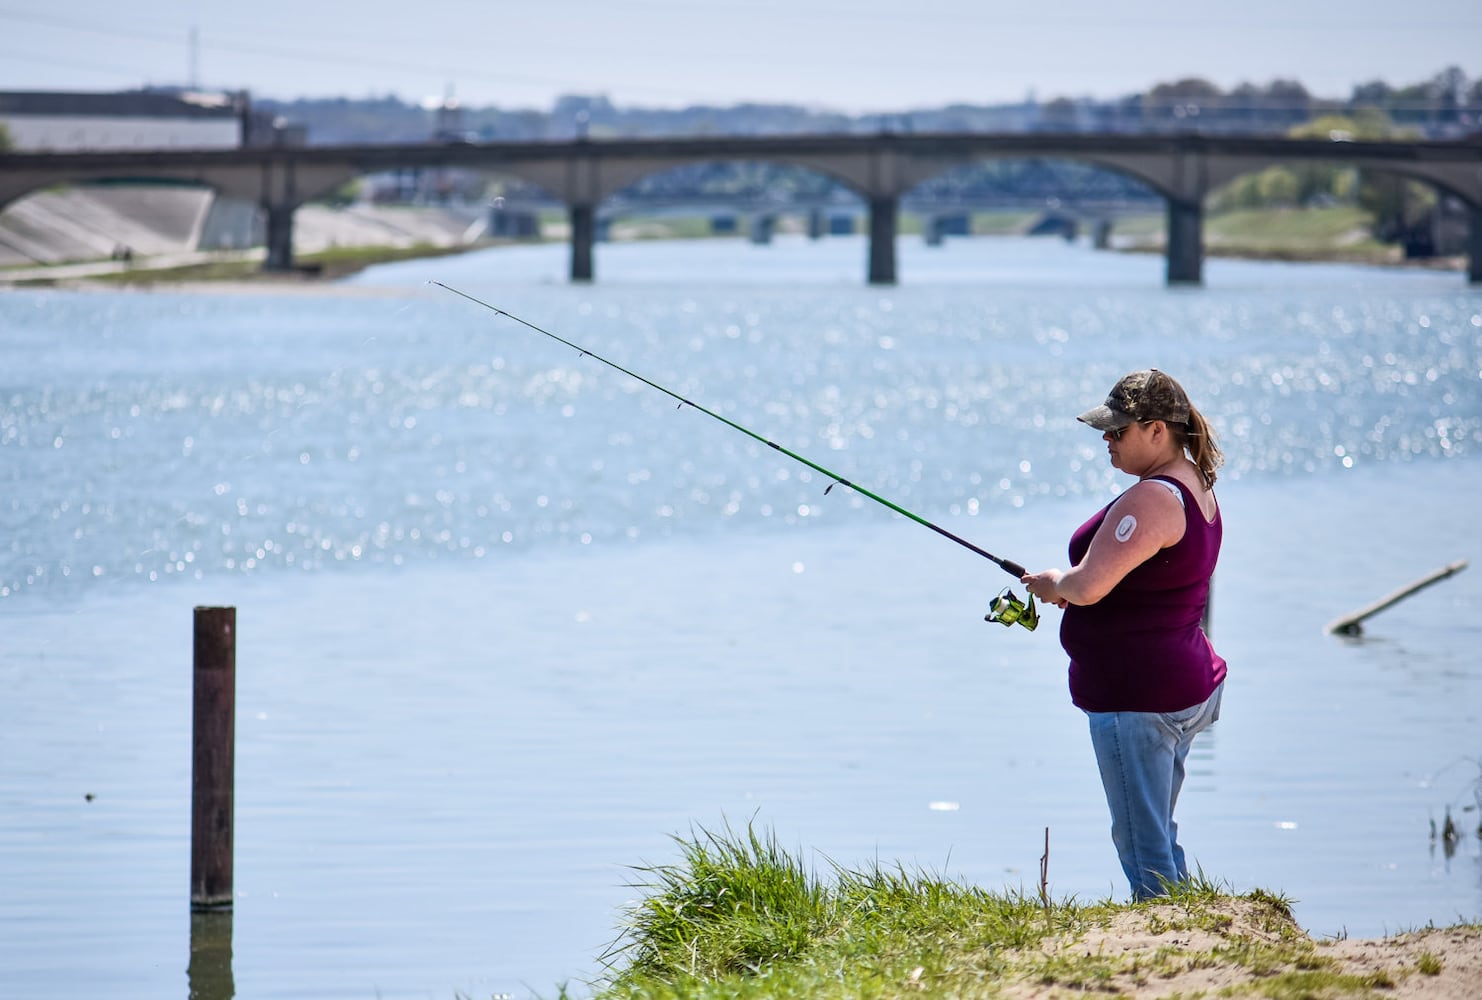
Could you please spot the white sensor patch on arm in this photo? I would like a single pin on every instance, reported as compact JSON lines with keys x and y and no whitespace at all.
{"x":1125,"y":527}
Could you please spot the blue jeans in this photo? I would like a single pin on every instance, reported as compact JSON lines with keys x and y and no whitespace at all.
{"x":1141,"y":757}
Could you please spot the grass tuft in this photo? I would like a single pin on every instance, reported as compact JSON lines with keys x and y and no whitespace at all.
{"x":732,"y":905}
{"x":1428,"y":964}
{"x":738,"y":917}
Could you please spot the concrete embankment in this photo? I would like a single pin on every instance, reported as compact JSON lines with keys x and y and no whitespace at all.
{"x":109,"y":222}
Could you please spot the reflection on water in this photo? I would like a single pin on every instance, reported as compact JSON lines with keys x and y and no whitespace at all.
{"x":311,"y":434}
{"x":209,"y":974}
{"x":508,"y":621}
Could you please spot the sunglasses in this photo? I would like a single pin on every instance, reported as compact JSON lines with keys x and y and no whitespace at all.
{"x":1116,"y":435}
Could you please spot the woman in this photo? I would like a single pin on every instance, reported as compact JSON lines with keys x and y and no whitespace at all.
{"x":1141,"y":666}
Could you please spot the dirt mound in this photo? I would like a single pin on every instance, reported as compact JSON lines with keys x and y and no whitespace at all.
{"x":1234,"y":946}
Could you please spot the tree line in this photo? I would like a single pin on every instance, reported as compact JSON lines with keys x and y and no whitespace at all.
{"x":1448,"y":104}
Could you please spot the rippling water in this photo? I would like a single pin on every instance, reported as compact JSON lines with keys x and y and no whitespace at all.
{"x":182,"y":433}
{"x":508,"y":618}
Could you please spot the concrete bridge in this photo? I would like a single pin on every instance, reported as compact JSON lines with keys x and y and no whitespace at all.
{"x":880,"y":168}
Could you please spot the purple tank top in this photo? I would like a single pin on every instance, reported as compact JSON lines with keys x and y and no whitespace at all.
{"x":1141,"y":648}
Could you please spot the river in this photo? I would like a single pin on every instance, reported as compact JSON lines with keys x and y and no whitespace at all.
{"x":508,"y":621}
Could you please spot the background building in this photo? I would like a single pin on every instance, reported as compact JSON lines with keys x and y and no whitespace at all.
{"x":52,"y":121}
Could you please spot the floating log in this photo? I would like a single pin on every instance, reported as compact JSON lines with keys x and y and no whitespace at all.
{"x":1351,"y":624}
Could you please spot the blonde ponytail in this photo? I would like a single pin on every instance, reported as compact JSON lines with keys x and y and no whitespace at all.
{"x":1198,"y":439}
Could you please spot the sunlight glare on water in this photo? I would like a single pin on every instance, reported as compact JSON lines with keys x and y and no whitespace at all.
{"x":508,"y":618}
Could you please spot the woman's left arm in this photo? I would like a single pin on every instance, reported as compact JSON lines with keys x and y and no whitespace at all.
{"x":1144,"y":521}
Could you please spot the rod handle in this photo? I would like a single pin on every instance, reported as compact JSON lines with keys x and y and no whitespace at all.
{"x":1012,"y":568}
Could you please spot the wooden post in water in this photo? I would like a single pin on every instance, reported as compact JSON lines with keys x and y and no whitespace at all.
{"x":212,"y":763}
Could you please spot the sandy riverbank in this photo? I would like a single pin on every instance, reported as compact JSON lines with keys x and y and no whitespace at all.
{"x":1236,"y":946}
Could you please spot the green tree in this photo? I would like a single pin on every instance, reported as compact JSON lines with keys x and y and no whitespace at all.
{"x":1394,"y":203}
{"x":1189,"y":88}
{"x":1315,"y":181}
{"x":1278,"y":187}
{"x":1182,"y":101}
{"x":1449,"y":87}
{"x":5,"y":142}
{"x":1289,"y":95}
{"x":1243,"y":192}
{"x":1374,"y":94}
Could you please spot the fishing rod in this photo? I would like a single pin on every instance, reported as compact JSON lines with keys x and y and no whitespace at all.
{"x":1006,"y":608}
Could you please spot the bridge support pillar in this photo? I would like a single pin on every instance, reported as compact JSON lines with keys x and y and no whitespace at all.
{"x":1185,"y":242}
{"x":583,"y":235}
{"x":279,"y":237}
{"x":883,"y":211}
{"x":1474,"y":244}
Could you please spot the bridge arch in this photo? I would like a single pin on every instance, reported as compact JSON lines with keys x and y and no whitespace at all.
{"x":253,"y":182}
{"x":277,"y":186}
{"x":585,"y":184}
{"x":880,"y":168}
{"x":1185,"y":180}
{"x":762,"y":190}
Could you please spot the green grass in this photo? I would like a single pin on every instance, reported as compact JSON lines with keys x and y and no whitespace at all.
{"x":737,"y":916}
{"x":1142,"y":227}
{"x":1291,"y":226}
{"x":668,"y":227}
{"x":1339,"y":232}
{"x":1005,"y":222}
{"x":1428,"y":964}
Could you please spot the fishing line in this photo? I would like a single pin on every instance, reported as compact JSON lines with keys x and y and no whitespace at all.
{"x":1006,"y":609}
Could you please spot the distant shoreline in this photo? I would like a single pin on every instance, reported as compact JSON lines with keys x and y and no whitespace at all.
{"x":318,"y":270}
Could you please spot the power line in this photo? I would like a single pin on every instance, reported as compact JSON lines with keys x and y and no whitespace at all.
{"x":321,"y":56}
{"x":50,"y":60}
{"x":318,"y":56}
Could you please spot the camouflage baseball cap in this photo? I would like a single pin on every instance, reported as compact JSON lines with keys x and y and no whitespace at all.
{"x":1144,"y":395}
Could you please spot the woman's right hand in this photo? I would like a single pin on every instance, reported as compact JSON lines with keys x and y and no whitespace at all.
{"x":1045,"y":586}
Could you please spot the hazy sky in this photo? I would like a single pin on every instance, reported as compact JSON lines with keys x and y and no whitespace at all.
{"x":848,"y":55}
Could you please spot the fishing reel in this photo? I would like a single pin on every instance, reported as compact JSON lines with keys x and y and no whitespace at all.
{"x":1007,"y":609}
